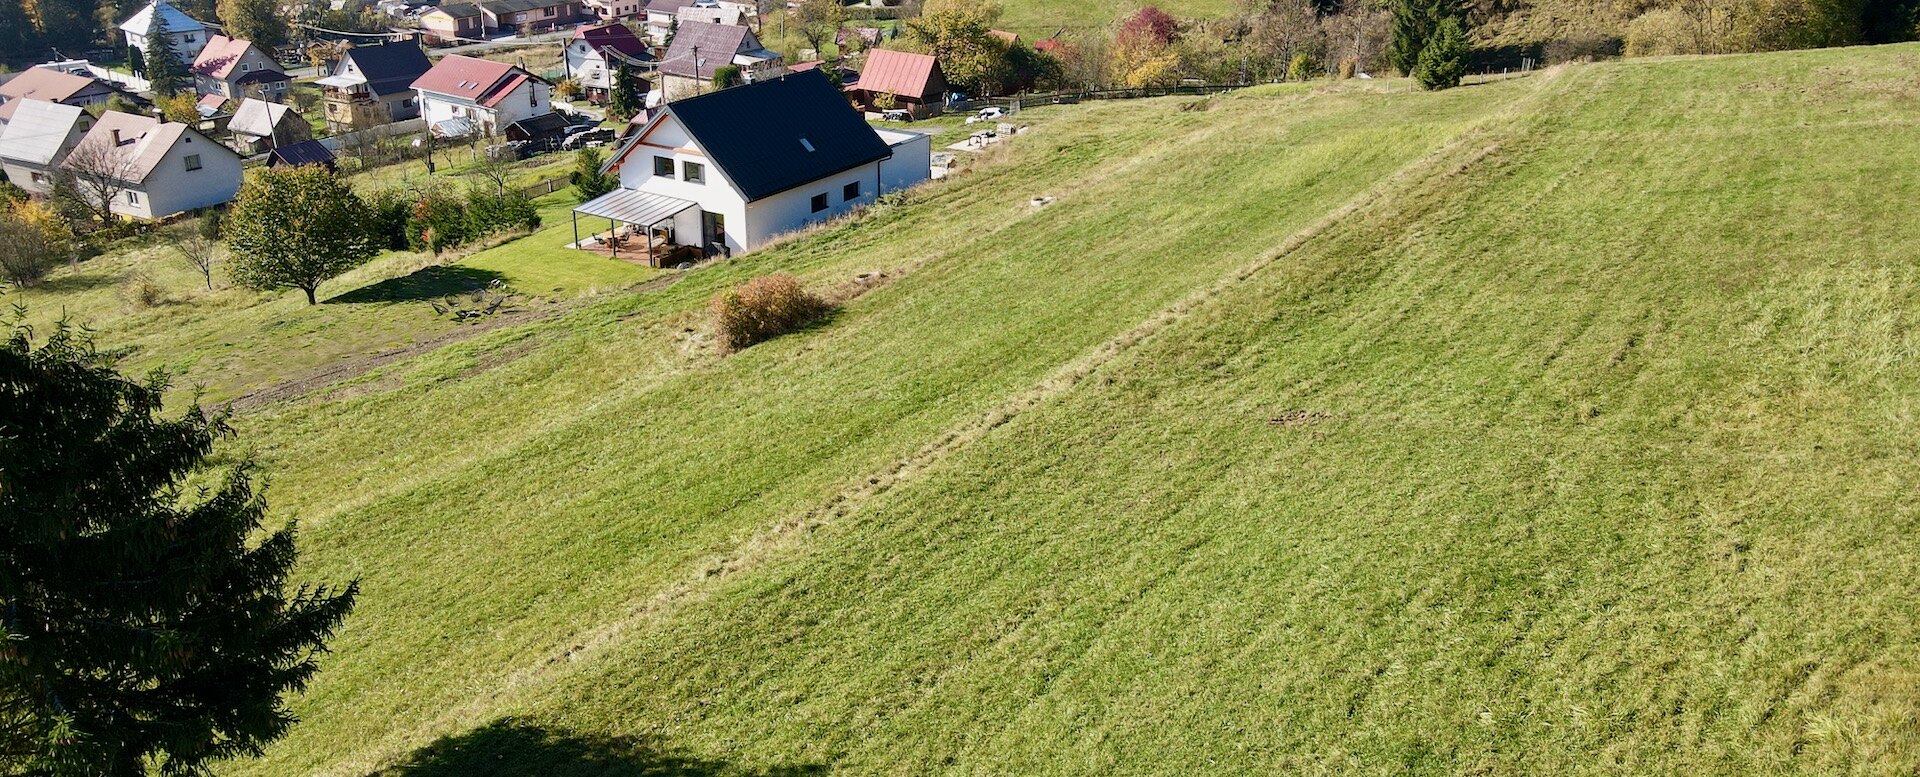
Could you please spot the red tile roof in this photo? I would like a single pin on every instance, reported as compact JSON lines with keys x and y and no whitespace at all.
{"x":900,"y":73}
{"x":480,"y":81}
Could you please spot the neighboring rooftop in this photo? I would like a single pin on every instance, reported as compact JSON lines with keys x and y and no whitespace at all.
{"x":138,"y":143}
{"x":390,"y":68}
{"x":220,"y":56}
{"x":40,"y":83}
{"x":175,"y":19}
{"x":899,"y":72}
{"x":38,"y":129}
{"x":305,"y":152}
{"x":616,"y":36}
{"x":717,"y":44}
{"x":483,"y":82}
{"x":259,"y":117}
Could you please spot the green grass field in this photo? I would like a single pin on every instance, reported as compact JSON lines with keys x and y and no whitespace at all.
{"x":1557,"y":425}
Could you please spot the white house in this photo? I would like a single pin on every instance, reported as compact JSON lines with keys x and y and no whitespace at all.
{"x":234,"y":68}
{"x":373,"y":85}
{"x":594,"y":52}
{"x":462,"y":95}
{"x":189,"y":36}
{"x":729,"y":170}
{"x":158,"y":168}
{"x":38,"y":139}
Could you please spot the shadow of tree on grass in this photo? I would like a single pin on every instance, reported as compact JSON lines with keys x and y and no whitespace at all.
{"x":509,"y":748}
{"x":422,"y":284}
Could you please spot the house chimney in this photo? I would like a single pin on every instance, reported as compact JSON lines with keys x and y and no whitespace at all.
{"x":116,"y":136}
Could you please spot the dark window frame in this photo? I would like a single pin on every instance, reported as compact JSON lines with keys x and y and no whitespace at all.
{"x":819,"y":202}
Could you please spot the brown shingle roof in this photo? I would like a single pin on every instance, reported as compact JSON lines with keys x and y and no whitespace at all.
{"x":717,"y":44}
{"x":40,"y":83}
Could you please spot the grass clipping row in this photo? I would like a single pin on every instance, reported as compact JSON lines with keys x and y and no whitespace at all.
{"x":763,"y":308}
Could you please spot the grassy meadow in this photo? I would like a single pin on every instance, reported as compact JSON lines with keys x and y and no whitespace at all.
{"x":1556,"y":425}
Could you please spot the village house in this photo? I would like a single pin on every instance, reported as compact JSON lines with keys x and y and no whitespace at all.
{"x":462,"y":95}
{"x":186,"y":34}
{"x":615,"y":10}
{"x":899,"y":80}
{"x":373,"y":85}
{"x":727,"y":171}
{"x":38,"y":139}
{"x":711,"y":13}
{"x":456,"y":20}
{"x":159,"y":168}
{"x":700,"y":49}
{"x":233,"y":68}
{"x":452,"y":22}
{"x":258,"y":125}
{"x":596,"y":50}
{"x":660,"y":19}
{"x":43,"y":83}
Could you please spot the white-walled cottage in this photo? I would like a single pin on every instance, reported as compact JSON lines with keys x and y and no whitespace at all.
{"x":729,"y":170}
{"x":162,"y":168}
{"x":38,"y":139}
{"x":463,"y":95}
{"x":186,"y":33}
{"x":234,"y":68}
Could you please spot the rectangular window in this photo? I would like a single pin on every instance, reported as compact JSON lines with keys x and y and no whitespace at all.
{"x":693,"y":171}
{"x":533,"y":97}
{"x":819,"y":202}
{"x":663,"y":165}
{"x":193,"y":161}
{"x":133,"y":197}
{"x":850,"y":192}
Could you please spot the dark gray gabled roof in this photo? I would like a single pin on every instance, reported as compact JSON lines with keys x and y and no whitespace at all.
{"x":390,"y":68}
{"x":306,"y":152}
{"x":777,"y":134}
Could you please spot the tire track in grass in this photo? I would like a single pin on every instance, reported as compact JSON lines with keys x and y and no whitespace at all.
{"x":786,"y":538}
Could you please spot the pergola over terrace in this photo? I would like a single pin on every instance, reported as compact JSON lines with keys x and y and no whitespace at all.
{"x":633,"y":207}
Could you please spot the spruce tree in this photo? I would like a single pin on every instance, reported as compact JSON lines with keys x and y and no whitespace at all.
{"x":141,"y":625}
{"x":627,"y":98}
{"x":164,"y":71}
{"x":1444,"y":60}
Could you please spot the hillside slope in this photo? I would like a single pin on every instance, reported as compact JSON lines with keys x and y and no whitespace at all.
{"x":1554,"y":425}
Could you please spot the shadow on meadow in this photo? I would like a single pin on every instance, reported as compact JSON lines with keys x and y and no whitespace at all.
{"x":422,"y":284}
{"x":510,"y":748}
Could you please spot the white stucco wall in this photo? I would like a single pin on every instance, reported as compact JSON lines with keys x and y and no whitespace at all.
{"x":912,"y":160}
{"x":515,"y":106}
{"x":186,"y":44}
{"x":716,"y":195}
{"x":21,"y":175}
{"x":172,"y":188}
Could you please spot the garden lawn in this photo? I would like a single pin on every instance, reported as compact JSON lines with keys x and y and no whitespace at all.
{"x":1556,"y":425}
